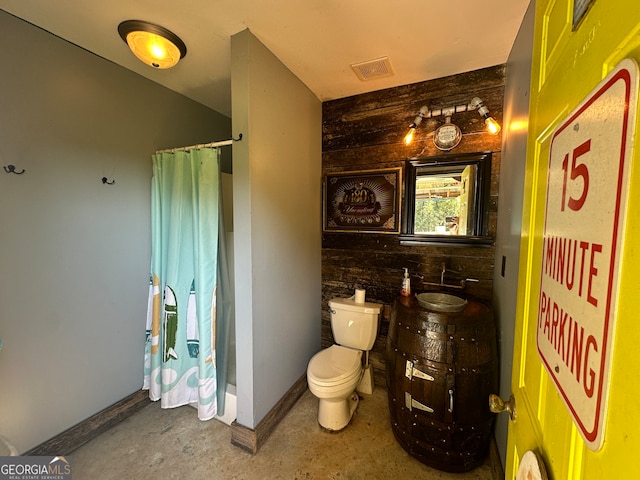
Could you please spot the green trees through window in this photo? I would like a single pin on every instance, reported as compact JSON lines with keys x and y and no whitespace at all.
{"x":437,"y":215}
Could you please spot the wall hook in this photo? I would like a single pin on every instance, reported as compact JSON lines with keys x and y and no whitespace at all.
{"x":107,"y":182}
{"x":12,"y":169}
{"x":237,"y":139}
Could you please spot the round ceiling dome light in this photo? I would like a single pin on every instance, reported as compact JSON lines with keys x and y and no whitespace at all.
{"x":152,"y":44}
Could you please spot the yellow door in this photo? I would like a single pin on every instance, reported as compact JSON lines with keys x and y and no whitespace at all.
{"x":466,"y":194}
{"x":576,"y":364}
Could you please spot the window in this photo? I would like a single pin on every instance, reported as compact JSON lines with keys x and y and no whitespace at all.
{"x":447,"y":200}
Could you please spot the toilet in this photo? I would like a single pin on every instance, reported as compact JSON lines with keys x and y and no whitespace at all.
{"x":335,"y":373}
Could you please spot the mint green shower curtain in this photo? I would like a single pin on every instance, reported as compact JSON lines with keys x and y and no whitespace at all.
{"x":181,"y":358}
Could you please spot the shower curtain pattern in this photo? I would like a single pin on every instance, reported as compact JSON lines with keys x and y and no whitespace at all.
{"x":180,"y":347}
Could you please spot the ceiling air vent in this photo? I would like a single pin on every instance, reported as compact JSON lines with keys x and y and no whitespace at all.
{"x":379,"y":67}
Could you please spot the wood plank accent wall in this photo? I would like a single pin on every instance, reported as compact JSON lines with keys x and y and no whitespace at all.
{"x":366,"y":131}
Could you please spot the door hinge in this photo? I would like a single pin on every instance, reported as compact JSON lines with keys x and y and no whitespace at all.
{"x":411,"y":404}
{"x":410,"y":372}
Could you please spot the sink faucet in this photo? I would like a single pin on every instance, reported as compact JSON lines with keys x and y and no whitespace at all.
{"x":443,"y":270}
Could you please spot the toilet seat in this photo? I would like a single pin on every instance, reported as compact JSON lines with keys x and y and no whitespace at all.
{"x":334,"y":366}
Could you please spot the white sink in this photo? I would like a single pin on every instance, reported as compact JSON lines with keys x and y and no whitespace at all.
{"x":441,"y":302}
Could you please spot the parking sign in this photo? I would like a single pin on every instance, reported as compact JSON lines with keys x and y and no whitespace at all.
{"x":588,"y":175}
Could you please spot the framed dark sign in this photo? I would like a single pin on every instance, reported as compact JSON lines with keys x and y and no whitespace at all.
{"x":364,"y":201}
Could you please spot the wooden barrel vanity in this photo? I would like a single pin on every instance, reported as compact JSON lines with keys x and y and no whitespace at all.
{"x":441,"y":368}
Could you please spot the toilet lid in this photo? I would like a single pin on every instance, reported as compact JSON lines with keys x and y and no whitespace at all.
{"x":334,"y":365}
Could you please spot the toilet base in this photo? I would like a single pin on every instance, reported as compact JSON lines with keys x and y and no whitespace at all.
{"x":366,"y":384}
{"x":335,"y":415}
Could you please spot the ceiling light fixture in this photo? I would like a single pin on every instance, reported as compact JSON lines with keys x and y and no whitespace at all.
{"x":447,"y":136}
{"x":152,"y":44}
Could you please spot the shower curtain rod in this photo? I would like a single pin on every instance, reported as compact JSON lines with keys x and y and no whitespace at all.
{"x":221,"y":143}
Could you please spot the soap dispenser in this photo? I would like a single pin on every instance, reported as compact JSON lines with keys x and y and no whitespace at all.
{"x":406,"y":284}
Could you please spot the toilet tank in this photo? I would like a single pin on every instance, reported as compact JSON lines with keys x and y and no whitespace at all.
{"x":354,"y":324}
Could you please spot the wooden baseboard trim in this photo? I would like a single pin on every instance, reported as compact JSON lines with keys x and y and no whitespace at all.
{"x":76,"y":436}
{"x":251,"y":440}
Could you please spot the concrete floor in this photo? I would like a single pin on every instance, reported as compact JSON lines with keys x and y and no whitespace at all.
{"x":174,"y":444}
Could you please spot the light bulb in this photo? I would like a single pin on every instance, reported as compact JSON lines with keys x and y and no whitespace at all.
{"x":408,"y":138}
{"x":492,"y":126}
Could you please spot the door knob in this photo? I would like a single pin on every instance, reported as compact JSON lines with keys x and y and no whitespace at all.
{"x":497,"y":405}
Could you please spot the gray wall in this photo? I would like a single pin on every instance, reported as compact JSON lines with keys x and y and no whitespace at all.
{"x":514,"y":153}
{"x":277,"y":208}
{"x":74,"y":253}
